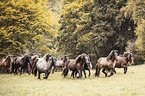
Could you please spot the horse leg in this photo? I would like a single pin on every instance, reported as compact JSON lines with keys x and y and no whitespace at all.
{"x":97,"y":73}
{"x":80,"y":73}
{"x":46,"y":74}
{"x":21,"y":71}
{"x":39,"y":75}
{"x":84,"y":73}
{"x":112,"y":72}
{"x":73,"y":74}
{"x":27,"y":70}
{"x":35,"y":71}
{"x":89,"y":72}
{"x":104,"y":72}
{"x":125,"y":70}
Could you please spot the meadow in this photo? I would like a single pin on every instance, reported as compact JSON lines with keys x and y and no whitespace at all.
{"x":130,"y":84}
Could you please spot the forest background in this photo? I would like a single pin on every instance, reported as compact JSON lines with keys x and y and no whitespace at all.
{"x":72,"y":27}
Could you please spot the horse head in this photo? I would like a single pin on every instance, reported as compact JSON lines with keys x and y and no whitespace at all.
{"x":65,"y":60}
{"x":9,"y":57}
{"x":47,"y":56}
{"x":54,"y":61}
{"x":129,"y":56}
{"x":27,"y":59}
{"x":112,"y":55}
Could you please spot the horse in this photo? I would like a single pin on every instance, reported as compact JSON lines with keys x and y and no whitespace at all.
{"x":106,"y":63}
{"x":123,"y":61}
{"x":76,"y":65}
{"x":43,"y":65}
{"x":33,"y":58}
{"x":22,"y":63}
{"x":61,"y":64}
{"x":58,"y":65}
{"x":5,"y":64}
{"x":87,"y":66}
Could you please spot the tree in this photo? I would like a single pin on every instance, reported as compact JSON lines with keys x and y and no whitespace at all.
{"x":95,"y":27}
{"x":24,"y":26}
{"x":136,"y":9}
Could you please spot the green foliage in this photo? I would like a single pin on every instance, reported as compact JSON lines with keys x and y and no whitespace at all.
{"x":24,"y":24}
{"x":95,"y":27}
{"x":136,"y":9}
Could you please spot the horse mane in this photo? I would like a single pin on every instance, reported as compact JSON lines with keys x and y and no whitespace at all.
{"x":78,"y":58}
{"x":110,"y":55}
{"x":8,"y":56}
{"x":45,"y":56}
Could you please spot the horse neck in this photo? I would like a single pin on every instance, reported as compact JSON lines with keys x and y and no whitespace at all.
{"x":8,"y":61}
{"x":81,"y":62}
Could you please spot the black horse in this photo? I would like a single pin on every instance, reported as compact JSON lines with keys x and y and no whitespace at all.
{"x":22,"y":63}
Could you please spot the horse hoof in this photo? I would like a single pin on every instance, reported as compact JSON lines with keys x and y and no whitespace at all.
{"x":39,"y":78}
{"x":45,"y":77}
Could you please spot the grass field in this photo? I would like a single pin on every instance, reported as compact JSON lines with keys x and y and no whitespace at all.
{"x":130,"y":84}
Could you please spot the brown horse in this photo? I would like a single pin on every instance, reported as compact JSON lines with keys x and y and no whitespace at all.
{"x":6,"y":64}
{"x":22,"y":63}
{"x":76,"y":65}
{"x":123,"y":61}
{"x":87,"y":66}
{"x":106,"y":63}
{"x":33,"y":58}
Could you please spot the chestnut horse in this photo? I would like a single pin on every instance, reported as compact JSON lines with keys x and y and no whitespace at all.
{"x":106,"y":63}
{"x":5,"y":64}
{"x":124,"y":60}
{"x":76,"y":65}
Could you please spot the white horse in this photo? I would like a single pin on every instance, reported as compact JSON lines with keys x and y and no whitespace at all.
{"x":43,"y":65}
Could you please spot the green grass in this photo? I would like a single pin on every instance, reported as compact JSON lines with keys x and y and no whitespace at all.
{"x":130,"y":84}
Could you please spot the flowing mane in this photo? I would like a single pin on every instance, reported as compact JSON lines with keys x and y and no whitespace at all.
{"x":45,"y":56}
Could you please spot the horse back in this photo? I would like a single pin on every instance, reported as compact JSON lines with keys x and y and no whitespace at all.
{"x":72,"y":65}
{"x":104,"y":62}
{"x":121,"y":60}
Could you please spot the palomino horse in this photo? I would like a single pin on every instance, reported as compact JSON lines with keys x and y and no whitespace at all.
{"x":5,"y":64}
{"x":76,"y":65}
{"x":106,"y":63}
{"x":123,"y":61}
{"x":22,"y":63}
{"x":43,"y":65}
